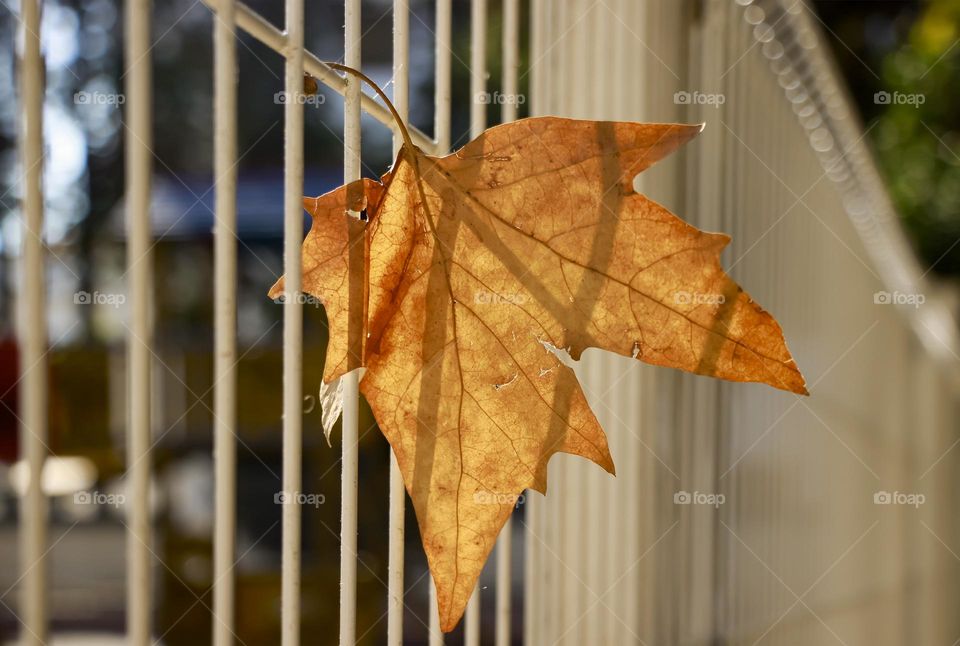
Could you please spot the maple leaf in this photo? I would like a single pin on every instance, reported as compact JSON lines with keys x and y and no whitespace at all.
{"x":472,"y":268}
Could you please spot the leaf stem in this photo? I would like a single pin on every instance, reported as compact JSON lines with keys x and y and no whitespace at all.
{"x":408,"y":143}
{"x":376,"y":88}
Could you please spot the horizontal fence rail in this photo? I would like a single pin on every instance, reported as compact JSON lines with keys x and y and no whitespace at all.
{"x":258,"y":27}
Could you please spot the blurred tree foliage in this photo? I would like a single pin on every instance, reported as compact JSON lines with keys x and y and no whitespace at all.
{"x":919,"y":145}
{"x":902,"y":59}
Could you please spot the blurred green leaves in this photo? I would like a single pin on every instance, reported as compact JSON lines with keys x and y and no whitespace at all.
{"x":918,"y":133}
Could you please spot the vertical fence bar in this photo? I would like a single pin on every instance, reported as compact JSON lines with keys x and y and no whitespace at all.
{"x":617,"y":500}
{"x":292,"y":324}
{"x":442,"y":96}
{"x":504,"y":552}
{"x":511,"y":49}
{"x":596,"y":88}
{"x":511,"y":45}
{"x":594,"y":501}
{"x":569,"y":101}
{"x":639,"y":515}
{"x":139,"y":338}
{"x":533,"y":591}
{"x":441,"y":132}
{"x":401,"y":101}
{"x":225,"y":318}
{"x":436,"y":635}
{"x":351,"y":390}
{"x":478,"y":122}
{"x":33,"y":335}
{"x":478,"y":67}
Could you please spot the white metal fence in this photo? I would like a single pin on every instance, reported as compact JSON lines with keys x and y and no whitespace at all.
{"x":783,"y":166}
{"x":797,"y":553}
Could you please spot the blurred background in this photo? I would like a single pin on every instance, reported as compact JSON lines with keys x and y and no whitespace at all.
{"x":84,"y":134}
{"x":882,"y":50}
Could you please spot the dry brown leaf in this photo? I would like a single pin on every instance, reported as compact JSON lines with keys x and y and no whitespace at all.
{"x":471,"y":267}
